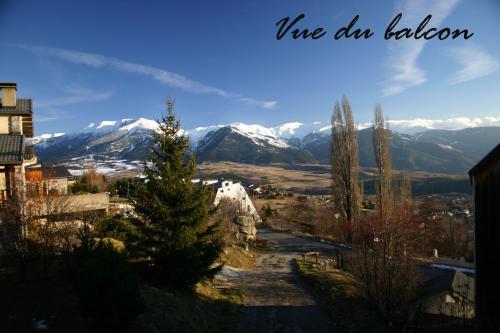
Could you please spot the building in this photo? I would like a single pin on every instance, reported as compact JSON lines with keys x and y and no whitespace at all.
{"x":236,"y":192}
{"x":447,"y":292}
{"x":42,"y":190}
{"x":16,"y":154}
{"x":45,"y":180}
{"x":485,"y":179}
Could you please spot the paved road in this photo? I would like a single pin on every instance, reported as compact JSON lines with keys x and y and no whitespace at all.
{"x":276,"y":300}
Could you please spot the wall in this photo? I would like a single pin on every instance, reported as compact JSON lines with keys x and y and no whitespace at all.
{"x":4,"y":125}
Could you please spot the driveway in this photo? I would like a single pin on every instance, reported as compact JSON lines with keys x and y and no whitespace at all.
{"x":276,"y":299}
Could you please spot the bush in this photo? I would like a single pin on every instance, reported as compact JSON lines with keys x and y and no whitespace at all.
{"x":117,"y":227}
{"x":107,"y":289}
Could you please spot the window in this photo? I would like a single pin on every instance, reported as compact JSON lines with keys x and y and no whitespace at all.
{"x":15,"y":125}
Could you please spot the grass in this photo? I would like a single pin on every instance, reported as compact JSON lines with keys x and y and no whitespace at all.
{"x":340,"y":293}
{"x":237,"y":256}
{"x":212,"y":307}
{"x":208,"y":309}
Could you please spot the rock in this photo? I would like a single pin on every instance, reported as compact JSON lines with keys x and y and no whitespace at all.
{"x":246,"y":227}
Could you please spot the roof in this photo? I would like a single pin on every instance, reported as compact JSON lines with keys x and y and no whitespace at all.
{"x":437,"y":281}
{"x":439,"y":284}
{"x":8,"y":85}
{"x":56,"y":171}
{"x":23,"y":107}
{"x":486,"y":161}
{"x":11,"y":148}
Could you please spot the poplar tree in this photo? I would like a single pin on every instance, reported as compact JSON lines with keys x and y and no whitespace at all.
{"x":345,"y":165}
{"x":176,"y":234}
{"x":383,"y":160}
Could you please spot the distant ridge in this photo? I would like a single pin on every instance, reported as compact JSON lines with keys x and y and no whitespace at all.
{"x":127,"y":143}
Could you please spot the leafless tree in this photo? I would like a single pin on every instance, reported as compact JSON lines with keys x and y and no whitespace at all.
{"x":386,"y":243}
{"x":345,"y":165}
{"x":225,"y":214}
{"x":385,"y":264}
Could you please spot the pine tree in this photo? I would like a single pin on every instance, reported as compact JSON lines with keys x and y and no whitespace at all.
{"x":175,"y":211}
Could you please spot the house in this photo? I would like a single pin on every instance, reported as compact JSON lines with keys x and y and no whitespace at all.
{"x":48,"y":180}
{"x":485,"y":179}
{"x":16,"y":153}
{"x":447,"y":292}
{"x":236,"y":192}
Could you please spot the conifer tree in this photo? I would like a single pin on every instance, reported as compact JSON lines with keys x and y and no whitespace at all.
{"x":175,"y":211}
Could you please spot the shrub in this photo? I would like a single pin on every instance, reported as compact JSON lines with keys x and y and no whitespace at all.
{"x":107,"y":289}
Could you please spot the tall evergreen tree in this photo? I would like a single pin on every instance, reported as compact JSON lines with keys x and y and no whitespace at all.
{"x":175,"y":211}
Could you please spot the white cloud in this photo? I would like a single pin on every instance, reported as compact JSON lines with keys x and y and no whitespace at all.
{"x":450,"y":123}
{"x":404,"y":53}
{"x":52,"y":108}
{"x":161,"y":75}
{"x":418,"y":124}
{"x":475,"y":62}
{"x":74,"y":99}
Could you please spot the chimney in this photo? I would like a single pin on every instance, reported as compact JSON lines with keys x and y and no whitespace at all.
{"x":8,"y":93}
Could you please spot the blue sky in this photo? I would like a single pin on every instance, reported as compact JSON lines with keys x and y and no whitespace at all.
{"x":89,"y":61}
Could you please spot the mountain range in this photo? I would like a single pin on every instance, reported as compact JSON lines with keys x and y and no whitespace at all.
{"x":125,"y":144}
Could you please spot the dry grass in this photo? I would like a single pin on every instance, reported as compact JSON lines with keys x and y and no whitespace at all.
{"x":291,"y":180}
{"x":341,"y":294}
{"x":207,"y":310}
{"x":236,"y":256}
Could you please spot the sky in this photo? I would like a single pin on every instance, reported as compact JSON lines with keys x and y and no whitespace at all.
{"x":91,"y":61}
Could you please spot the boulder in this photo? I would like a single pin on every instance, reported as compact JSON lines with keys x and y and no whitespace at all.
{"x":246,"y":228}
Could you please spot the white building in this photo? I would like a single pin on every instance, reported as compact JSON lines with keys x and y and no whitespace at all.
{"x":236,"y":192}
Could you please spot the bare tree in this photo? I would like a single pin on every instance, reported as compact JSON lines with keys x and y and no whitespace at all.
{"x":225,"y":213}
{"x":384,"y":261}
{"x":345,"y":165}
{"x":387,"y":242}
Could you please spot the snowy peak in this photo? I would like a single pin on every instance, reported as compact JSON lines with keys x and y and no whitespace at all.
{"x":287,"y":130}
{"x":141,"y":123}
{"x":260,"y":135}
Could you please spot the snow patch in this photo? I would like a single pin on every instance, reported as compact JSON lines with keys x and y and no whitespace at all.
{"x":445,"y":146}
{"x":106,"y":123}
{"x":142,"y":123}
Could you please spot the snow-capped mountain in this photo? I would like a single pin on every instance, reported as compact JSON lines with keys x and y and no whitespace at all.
{"x":277,"y":135}
{"x":126,"y":143}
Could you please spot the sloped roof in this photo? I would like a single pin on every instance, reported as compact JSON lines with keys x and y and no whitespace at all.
{"x":23,"y":107}
{"x":56,"y":171}
{"x":11,"y":148}
{"x":493,"y":155}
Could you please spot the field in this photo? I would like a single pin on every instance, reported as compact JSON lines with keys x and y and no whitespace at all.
{"x":315,"y":179}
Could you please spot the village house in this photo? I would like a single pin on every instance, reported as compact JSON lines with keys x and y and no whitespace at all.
{"x":236,"y":192}
{"x":485,"y":178}
{"x":45,"y":180}
{"x":40,"y":191}
{"x":447,"y":292}
{"x":16,"y":154}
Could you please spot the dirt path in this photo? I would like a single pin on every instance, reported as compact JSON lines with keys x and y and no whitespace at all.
{"x":276,"y":300}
